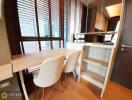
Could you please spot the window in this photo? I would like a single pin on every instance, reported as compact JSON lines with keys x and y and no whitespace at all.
{"x":67,"y":16}
{"x":78,"y":16}
{"x":56,"y":44}
{"x":72,"y":18}
{"x":31,"y":46}
{"x":43,"y":18}
{"x":45,"y":45}
{"x":76,"y":12}
{"x":27,"y":20}
{"x":44,"y":24}
{"x":55,"y":17}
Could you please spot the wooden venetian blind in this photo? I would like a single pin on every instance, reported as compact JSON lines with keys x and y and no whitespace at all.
{"x":56,"y":21}
{"x":38,"y":24}
{"x":28,"y":25}
{"x":43,"y":17}
{"x":67,"y":16}
{"x":27,"y":18}
{"x":55,"y":17}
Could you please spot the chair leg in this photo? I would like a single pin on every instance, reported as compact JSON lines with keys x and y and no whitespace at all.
{"x":65,"y":77}
{"x":74,"y":73}
{"x":79,"y":78}
{"x":43,"y":94}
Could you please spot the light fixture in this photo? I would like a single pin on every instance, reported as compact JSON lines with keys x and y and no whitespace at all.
{"x":114,"y":10}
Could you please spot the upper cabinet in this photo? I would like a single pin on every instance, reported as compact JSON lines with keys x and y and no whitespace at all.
{"x":102,"y":15}
{"x":102,"y":18}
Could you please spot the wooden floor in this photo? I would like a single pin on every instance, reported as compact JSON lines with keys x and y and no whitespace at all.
{"x":81,"y":91}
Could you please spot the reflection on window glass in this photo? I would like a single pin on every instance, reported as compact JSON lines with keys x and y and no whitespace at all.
{"x":31,"y":46}
{"x":55,"y":44}
{"x":45,"y":45}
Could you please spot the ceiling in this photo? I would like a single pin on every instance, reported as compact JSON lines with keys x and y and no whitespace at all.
{"x":114,"y":10}
{"x":96,"y":2}
{"x":106,"y":3}
{"x":88,"y":1}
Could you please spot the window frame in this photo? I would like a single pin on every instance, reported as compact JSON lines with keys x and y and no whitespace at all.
{"x":42,"y":38}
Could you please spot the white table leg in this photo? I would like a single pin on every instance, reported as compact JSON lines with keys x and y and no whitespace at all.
{"x":79,"y":78}
{"x":23,"y":85}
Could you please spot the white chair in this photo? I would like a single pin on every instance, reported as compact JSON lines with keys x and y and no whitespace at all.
{"x":71,"y":63}
{"x":50,"y":72}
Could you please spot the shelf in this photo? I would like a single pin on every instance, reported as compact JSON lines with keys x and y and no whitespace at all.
{"x":98,"y":33}
{"x":99,"y":45}
{"x":96,"y":62}
{"x":93,"y":78}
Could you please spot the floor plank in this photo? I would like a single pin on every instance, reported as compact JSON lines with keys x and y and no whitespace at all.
{"x":81,"y":91}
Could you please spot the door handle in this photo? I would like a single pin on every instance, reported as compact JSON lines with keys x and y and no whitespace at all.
{"x":125,"y":46}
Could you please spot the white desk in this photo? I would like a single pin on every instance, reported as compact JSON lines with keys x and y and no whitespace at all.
{"x":22,"y":62}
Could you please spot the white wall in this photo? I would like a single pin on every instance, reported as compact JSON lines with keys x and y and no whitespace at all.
{"x":5,"y":56}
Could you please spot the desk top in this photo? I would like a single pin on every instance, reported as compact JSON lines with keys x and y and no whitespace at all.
{"x":21,"y":62}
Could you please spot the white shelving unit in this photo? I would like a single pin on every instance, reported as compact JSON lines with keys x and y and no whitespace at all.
{"x":95,"y":61}
{"x":96,"y":64}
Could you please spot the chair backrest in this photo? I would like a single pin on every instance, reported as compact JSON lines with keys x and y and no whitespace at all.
{"x":71,"y":62}
{"x":50,"y":71}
